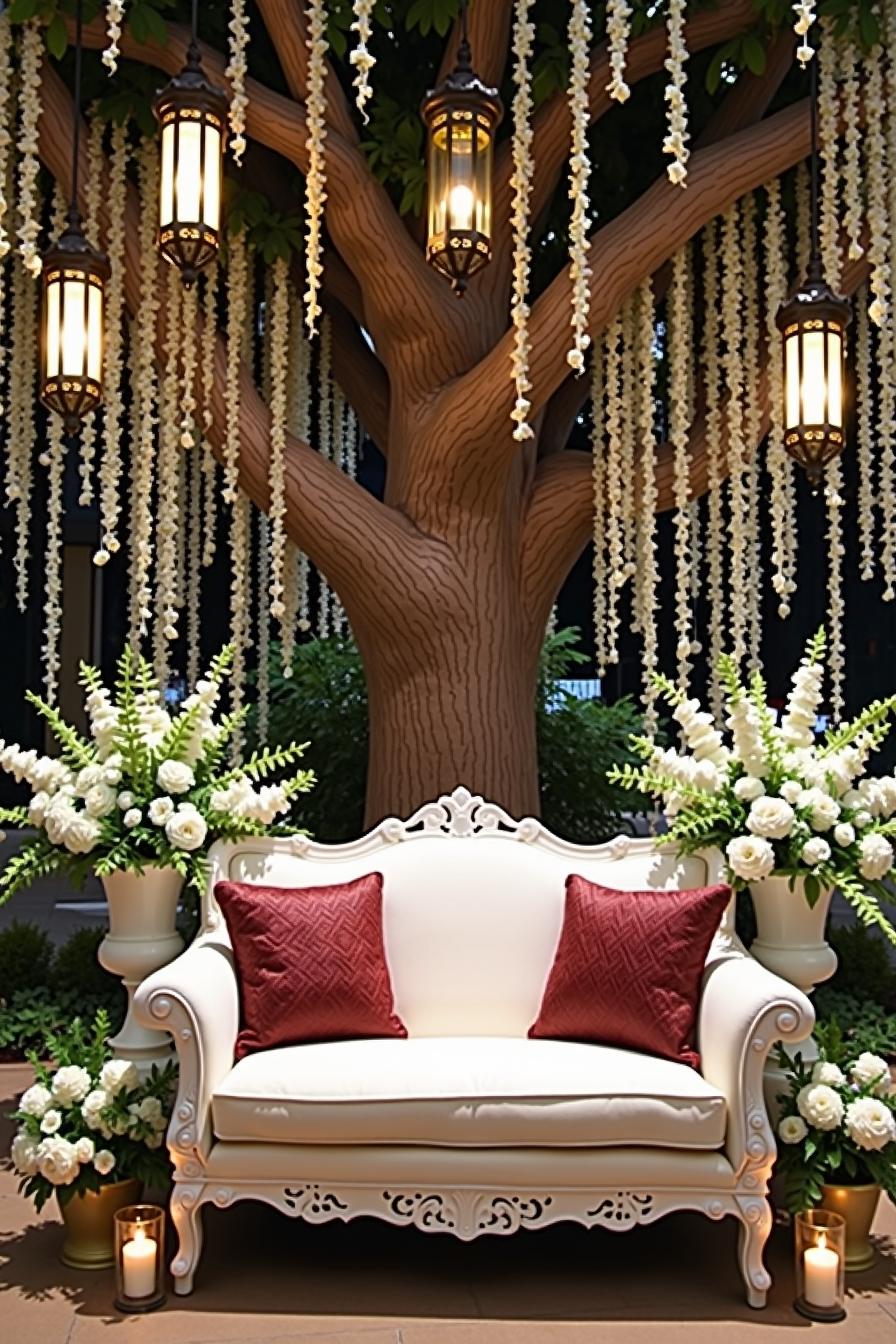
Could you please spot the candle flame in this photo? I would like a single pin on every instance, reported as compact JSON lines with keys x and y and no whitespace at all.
{"x":139,"y":1234}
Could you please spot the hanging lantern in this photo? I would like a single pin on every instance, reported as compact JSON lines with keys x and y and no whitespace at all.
{"x":461,"y":117}
{"x":192,"y":115}
{"x":74,"y":280}
{"x":74,"y":276}
{"x":813,"y":324}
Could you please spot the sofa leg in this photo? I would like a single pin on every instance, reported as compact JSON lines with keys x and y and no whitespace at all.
{"x":755,"y":1227}
{"x":186,"y":1214}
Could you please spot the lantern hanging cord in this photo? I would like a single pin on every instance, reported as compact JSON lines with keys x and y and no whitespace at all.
{"x":73,"y":212}
{"x":464,"y":55}
{"x":815,"y":271}
{"x":193,"y":49}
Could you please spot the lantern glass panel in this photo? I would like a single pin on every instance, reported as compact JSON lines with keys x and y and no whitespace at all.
{"x":439,"y":183}
{"x":835,"y":378}
{"x":211,"y":178}
{"x":814,"y":381}
{"x":166,"y":194}
{"x":188,"y":194}
{"x":792,"y":378}
{"x":74,"y":326}
{"x":52,"y":330}
{"x":95,"y":332}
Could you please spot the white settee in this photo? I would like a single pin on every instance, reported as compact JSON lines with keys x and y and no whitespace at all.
{"x":469,"y":1127}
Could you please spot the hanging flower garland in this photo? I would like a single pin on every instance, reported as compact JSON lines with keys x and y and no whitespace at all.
{"x":751,"y":425}
{"x":110,"y":470}
{"x":678,"y":135}
{"x":237,"y":288}
{"x":805,"y":17}
{"x":279,"y":349}
{"x":208,"y":352}
{"x":114,"y":19}
{"x":732,"y":368}
{"x":315,"y":180}
{"x":235,"y":73}
{"x":836,"y":607}
{"x":30,"y":56}
{"x":865,"y":420}
{"x":54,"y":461}
{"x":360,"y":56}
{"x":193,"y":516}
{"x":618,"y":16}
{"x":168,"y":523}
{"x":628,"y":437}
{"x":829,"y":153}
{"x":264,"y":626}
{"x":852,"y":154}
{"x":298,"y":414}
{"x":325,"y":446}
{"x":780,"y":466}
{"x":21,"y":434}
{"x":93,"y":192}
{"x":6,"y":140}
{"x":647,"y":572}
{"x":240,"y":523}
{"x":875,"y":157}
{"x":613,"y":485}
{"x":680,"y":329}
{"x":579,"y":172}
{"x":712,"y":378}
{"x":600,"y":566}
{"x":521,"y":186}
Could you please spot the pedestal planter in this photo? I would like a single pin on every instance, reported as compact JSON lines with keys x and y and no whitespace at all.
{"x":858,"y":1205}
{"x":141,"y":938}
{"x":89,"y":1224}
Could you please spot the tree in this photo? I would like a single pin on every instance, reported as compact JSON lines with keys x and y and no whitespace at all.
{"x":449,"y":582}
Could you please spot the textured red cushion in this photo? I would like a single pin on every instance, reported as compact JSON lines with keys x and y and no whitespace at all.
{"x":310,"y":961}
{"x":628,"y":968}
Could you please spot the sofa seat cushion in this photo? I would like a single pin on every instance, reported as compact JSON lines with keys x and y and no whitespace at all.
{"x":467,"y":1091}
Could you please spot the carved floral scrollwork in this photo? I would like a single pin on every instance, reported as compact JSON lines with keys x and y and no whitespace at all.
{"x":310,"y":1201}
{"x":507,"y":1213}
{"x":623,"y":1209}
{"x":462,"y":813}
{"x":426,"y":1211}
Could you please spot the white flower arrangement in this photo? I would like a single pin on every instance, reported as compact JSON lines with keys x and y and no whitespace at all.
{"x":88,"y":1119}
{"x":146,"y":786}
{"x":773,"y":798}
{"x":838,"y":1122}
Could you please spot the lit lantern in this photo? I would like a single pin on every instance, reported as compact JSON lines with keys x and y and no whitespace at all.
{"x":813,"y":324}
{"x":74,"y":280}
{"x":461,"y":118}
{"x":192,"y":117}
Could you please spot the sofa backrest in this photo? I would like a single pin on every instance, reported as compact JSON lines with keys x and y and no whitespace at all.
{"x":472,"y":903}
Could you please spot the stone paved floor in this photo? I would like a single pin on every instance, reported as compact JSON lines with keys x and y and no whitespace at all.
{"x":266,"y":1278}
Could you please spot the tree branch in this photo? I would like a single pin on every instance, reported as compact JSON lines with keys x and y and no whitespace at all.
{"x":360,"y":375}
{"x":288,"y":30}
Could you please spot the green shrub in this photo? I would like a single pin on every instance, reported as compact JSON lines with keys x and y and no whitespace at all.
{"x":865,"y":1024}
{"x":76,"y":970}
{"x":864,"y":968}
{"x":25,"y":956}
{"x":325,"y":702}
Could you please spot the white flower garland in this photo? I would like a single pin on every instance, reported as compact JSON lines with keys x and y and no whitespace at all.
{"x":278,"y":346}
{"x":325,"y":446}
{"x":618,"y":16}
{"x":600,"y":567}
{"x":680,"y":329}
{"x":579,"y":172}
{"x":647,"y":573}
{"x":613,"y":486}
{"x":732,"y":366}
{"x":237,"y":288}
{"x":875,"y":156}
{"x":805,"y":17}
{"x":865,"y":420}
{"x":678,"y":135}
{"x":780,"y":464}
{"x":208,"y":352}
{"x":751,"y":424}
{"x":836,"y":606}
{"x":521,"y":186}
{"x":315,"y":179}
{"x":93,"y":191}
{"x":237,"y":67}
{"x":168,"y":521}
{"x":239,"y":612}
{"x":6,"y":139}
{"x":54,"y":460}
{"x":194,"y":561}
{"x":264,"y":626}
{"x":298,"y":413}
{"x":30,"y":56}
{"x":829,"y":153}
{"x":712,"y":371}
{"x":361,"y":58}
{"x":340,"y":416}
{"x":114,"y":18}
{"x":21,"y":433}
{"x":852,"y":155}
{"x":113,"y":404}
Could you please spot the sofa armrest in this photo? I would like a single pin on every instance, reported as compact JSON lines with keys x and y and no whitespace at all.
{"x":744,"y":1010}
{"x":196,"y":999}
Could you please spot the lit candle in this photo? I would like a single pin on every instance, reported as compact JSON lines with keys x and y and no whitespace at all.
{"x":138,"y":1265}
{"x":822,"y":1271}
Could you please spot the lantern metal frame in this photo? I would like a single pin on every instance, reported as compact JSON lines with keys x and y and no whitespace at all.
{"x":191,"y":99}
{"x":461,"y":102}
{"x":71,"y":260}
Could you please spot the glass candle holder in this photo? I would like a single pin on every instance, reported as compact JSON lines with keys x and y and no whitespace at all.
{"x":140,"y":1257}
{"x":820,"y":1248}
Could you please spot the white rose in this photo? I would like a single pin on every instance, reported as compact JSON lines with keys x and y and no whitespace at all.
{"x":831,"y":1074}
{"x":99,"y":801}
{"x":820,"y":1106}
{"x":862,"y":818}
{"x":868,"y":1069}
{"x":790,"y":790}
{"x":875,"y":856}
{"x":870,"y":1123}
{"x":93,"y":1106}
{"x":70,"y":1084}
{"x":175,"y":777}
{"x":85,"y":1149}
{"x":86,"y":778}
{"x":57,"y":1160}
{"x":35,"y":1101}
{"x":52,"y":1120}
{"x":119,"y":1075}
{"x":125,"y":800}
{"x":186,"y":830}
{"x":749,"y":787}
{"x":815,"y":851}
{"x":792,"y":1129}
{"x":80,"y":834}
{"x":750,"y":857}
{"x":24,"y":1153}
{"x":844,"y":834}
{"x":822,"y":808}
{"x":104,"y":1161}
{"x":132,"y":817}
{"x":771,"y":817}
{"x":160,"y":810}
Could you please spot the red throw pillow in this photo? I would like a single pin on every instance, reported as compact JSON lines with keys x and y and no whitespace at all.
{"x":310,"y":961}
{"x":628,"y":968}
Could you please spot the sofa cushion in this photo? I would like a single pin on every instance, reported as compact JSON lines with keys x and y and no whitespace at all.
{"x":628,"y":968}
{"x":467,"y":1091}
{"x":310,"y":962}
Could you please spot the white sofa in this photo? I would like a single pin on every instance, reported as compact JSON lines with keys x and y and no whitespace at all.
{"x":468,"y":1126}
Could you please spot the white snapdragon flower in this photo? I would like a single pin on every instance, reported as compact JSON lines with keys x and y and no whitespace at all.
{"x":70,"y":1084}
{"x":186,"y":830}
{"x":57,"y":1160}
{"x":815,"y":851}
{"x":870,"y":1123}
{"x":870,"y":1068}
{"x":887,"y":786}
{"x":87,"y":778}
{"x":820,"y":1106}
{"x":118,"y":1075}
{"x":160,"y":809}
{"x":844,"y":834}
{"x":792,"y":1129}
{"x":798,"y":723}
{"x":703,"y":738}
{"x":822,"y":808}
{"x":875,"y":856}
{"x":104,"y":1161}
{"x":751,"y":857}
{"x":770,"y":817}
{"x":828,"y":1073}
{"x":175,"y":777}
{"x":748,"y":787}
{"x":743,"y":722}
{"x":36,"y":1100}
{"x":37,"y":808}
{"x":24,"y":1153}
{"x":132,"y":817}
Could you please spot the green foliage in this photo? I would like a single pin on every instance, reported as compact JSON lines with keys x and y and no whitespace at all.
{"x":76,"y":966}
{"x":272,"y":234}
{"x":432,"y":14}
{"x":870,"y":1025}
{"x":864,"y":966}
{"x":25,"y":956}
{"x":394,"y":149}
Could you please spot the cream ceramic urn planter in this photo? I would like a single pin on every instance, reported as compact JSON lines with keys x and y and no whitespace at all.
{"x":142,"y":937}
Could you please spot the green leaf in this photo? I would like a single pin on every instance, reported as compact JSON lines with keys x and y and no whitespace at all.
{"x":20,"y":11}
{"x":56,"y":36}
{"x":753,"y":54}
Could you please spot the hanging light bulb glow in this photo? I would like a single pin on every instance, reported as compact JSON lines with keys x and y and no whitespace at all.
{"x":461,"y":118}
{"x":192,"y":114}
{"x":74,"y":277}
